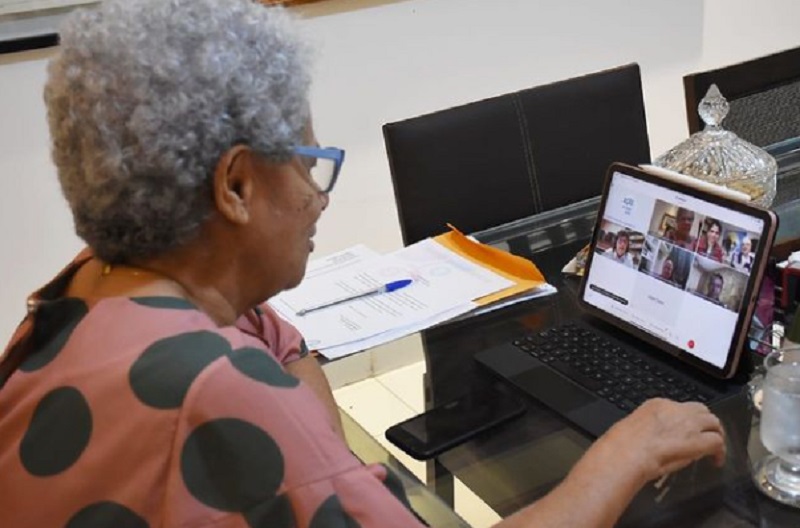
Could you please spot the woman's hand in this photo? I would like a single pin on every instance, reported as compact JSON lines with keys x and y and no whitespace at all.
{"x":662,"y":436}
{"x":659,"y":437}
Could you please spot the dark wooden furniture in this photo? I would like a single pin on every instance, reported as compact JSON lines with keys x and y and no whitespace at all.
{"x":763,"y":94}
{"x":500,"y":159}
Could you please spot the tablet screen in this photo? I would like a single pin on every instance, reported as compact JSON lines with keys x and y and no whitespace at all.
{"x":674,"y":265}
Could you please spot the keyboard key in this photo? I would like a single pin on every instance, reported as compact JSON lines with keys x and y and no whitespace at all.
{"x":624,"y":378}
{"x":576,"y":375}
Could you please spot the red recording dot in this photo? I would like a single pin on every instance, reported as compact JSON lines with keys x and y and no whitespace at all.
{"x":691,"y":343}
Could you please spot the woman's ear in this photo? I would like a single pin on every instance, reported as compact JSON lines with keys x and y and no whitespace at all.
{"x":233,"y":184}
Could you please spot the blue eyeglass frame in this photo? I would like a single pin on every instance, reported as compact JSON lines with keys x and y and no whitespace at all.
{"x":332,"y":153}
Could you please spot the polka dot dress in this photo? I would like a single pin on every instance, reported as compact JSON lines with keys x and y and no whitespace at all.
{"x":140,"y":412}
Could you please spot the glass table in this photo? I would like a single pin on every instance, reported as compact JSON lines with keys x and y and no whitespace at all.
{"x":425,"y":502}
{"x":515,"y":464}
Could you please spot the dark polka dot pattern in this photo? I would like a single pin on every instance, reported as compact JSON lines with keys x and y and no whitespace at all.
{"x":168,"y":303}
{"x":256,"y":364}
{"x":275,"y":513}
{"x":104,"y":515}
{"x":231,"y":465}
{"x":54,"y":323}
{"x":331,"y":515}
{"x":162,"y":375}
{"x":58,"y":432}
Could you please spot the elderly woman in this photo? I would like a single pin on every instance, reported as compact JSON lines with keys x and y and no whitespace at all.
{"x":148,"y":385}
{"x":620,"y":250}
{"x":742,"y":258}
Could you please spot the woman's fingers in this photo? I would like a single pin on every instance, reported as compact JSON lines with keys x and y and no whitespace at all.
{"x":668,"y":435}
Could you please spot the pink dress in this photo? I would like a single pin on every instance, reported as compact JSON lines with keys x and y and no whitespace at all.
{"x":141,"y":412}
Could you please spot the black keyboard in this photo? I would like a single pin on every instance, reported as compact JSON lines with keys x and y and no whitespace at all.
{"x":619,"y":376}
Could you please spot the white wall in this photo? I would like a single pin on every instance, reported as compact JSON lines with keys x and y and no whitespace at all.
{"x":382,"y":61}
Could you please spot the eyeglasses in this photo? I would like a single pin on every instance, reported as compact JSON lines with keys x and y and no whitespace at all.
{"x":323,"y":164}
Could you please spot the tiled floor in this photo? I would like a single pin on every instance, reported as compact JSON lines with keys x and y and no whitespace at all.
{"x":381,"y":401}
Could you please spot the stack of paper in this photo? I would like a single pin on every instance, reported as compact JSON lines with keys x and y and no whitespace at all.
{"x":451,"y":276}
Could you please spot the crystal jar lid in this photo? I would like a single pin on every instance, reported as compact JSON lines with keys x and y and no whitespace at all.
{"x":719,"y":156}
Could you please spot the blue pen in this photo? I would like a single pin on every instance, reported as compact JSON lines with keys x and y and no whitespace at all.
{"x":386,"y":288}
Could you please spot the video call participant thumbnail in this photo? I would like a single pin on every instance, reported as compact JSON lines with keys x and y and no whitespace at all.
{"x":708,"y":244}
{"x":742,"y":257}
{"x":667,"y":268}
{"x":681,"y":236}
{"x":718,"y":284}
{"x":620,"y":251}
{"x":714,"y":287}
{"x":666,"y":262}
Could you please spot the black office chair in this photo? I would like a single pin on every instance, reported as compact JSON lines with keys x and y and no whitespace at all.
{"x":763,"y":93}
{"x":764,"y":98}
{"x":501,"y":159}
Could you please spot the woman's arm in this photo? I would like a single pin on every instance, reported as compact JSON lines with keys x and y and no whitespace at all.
{"x":307,"y":370}
{"x":660,"y":437}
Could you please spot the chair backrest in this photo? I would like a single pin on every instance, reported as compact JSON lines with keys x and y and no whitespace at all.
{"x":501,"y":159}
{"x":763,"y":94}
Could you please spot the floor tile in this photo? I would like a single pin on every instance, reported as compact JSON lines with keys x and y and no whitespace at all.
{"x":407,"y":384}
{"x":380,"y":402}
{"x":375,"y":408}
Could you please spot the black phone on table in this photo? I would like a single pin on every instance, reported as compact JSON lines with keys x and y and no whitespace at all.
{"x":428,"y":434}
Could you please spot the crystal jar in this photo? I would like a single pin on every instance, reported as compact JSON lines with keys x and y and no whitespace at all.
{"x":719,"y":156}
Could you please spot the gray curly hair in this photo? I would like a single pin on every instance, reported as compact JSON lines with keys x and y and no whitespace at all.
{"x":144,"y":97}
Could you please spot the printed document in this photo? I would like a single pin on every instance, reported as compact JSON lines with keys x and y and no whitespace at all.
{"x":444,"y":286}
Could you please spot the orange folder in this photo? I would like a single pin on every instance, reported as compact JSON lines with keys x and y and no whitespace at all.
{"x":524,"y":273}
